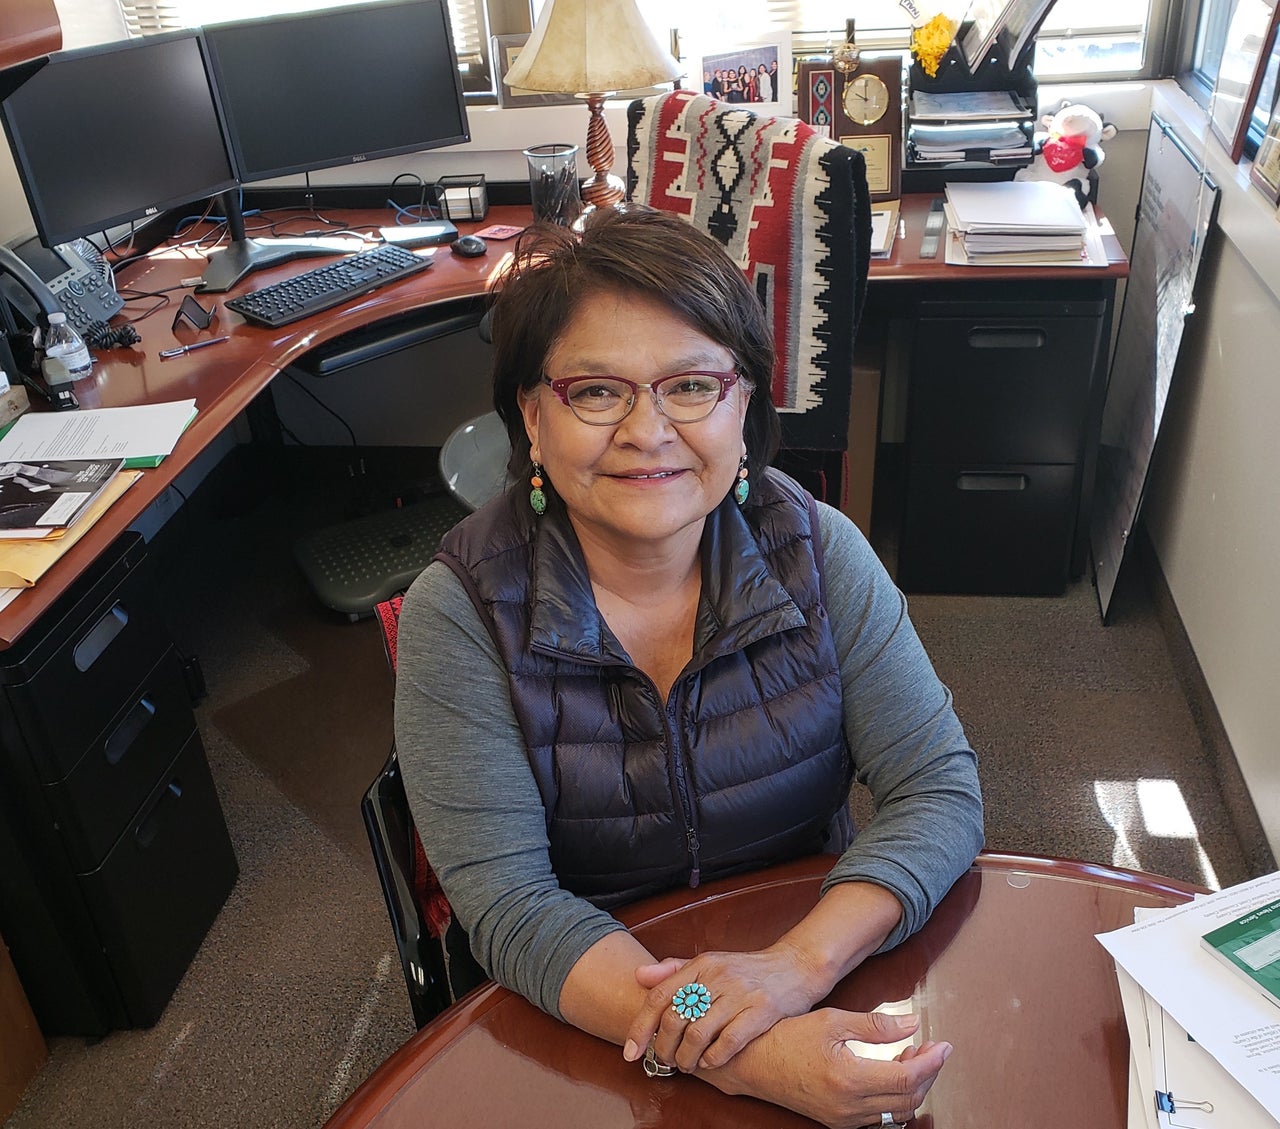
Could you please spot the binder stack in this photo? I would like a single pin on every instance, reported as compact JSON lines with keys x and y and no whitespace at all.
{"x":1017,"y":223}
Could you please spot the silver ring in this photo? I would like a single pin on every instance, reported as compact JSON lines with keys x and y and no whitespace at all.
{"x":888,"y":1121}
{"x":654,"y":1067}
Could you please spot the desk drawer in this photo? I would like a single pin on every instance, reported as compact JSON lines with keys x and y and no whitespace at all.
{"x":1003,"y":529}
{"x":1001,"y":390}
{"x":64,"y":696}
{"x":162,"y":885}
{"x":123,"y":764}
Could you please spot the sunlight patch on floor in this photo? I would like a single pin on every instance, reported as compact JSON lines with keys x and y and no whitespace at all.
{"x":1154,"y":829}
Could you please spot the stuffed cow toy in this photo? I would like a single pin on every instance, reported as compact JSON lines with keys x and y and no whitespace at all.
{"x":1068,"y":151}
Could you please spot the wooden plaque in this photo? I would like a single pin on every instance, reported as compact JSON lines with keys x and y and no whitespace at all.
{"x":862,"y":110}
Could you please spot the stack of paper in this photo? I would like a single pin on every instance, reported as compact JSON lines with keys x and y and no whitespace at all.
{"x":996,"y":140}
{"x":884,"y":228}
{"x":1205,"y":1043}
{"x":1017,"y":222}
{"x":133,"y":437}
{"x":141,"y":435}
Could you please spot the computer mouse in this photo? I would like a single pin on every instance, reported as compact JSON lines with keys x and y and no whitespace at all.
{"x":469,"y":246}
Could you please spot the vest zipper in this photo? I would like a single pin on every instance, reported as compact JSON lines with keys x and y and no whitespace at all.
{"x":682,"y":788}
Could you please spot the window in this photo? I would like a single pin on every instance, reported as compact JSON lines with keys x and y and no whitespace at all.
{"x":1084,"y":39}
{"x":467,"y":18}
{"x":1209,"y":62}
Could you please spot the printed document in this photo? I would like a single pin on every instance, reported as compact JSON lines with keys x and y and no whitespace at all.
{"x":140,"y":435}
{"x":1231,"y":1020}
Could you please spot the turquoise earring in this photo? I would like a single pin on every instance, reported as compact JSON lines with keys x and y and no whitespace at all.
{"x":537,"y":499}
{"x":743,"y":488}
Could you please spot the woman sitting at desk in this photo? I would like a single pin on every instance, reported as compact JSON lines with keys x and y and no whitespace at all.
{"x":656,"y":661}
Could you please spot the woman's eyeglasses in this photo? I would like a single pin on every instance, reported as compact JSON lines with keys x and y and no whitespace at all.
{"x":684,"y":397}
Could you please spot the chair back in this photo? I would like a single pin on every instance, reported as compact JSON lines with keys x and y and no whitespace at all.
{"x":434,"y":954}
{"x":792,"y":208}
{"x":392,"y":838}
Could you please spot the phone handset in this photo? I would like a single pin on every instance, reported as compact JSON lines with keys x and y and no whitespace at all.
{"x":77,"y":276}
{"x":38,"y":293}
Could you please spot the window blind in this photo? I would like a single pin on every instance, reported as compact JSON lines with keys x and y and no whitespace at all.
{"x":149,"y":17}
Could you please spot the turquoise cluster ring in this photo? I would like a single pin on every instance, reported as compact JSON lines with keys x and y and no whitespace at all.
{"x":691,"y":1002}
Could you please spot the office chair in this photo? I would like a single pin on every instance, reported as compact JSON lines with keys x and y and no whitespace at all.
{"x":434,"y":953}
{"x":793,"y":209}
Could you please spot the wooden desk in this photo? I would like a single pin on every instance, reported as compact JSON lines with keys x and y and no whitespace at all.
{"x":1007,"y":970}
{"x":224,"y":379}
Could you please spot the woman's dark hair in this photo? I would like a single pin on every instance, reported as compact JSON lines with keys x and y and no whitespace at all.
{"x":631,"y":250}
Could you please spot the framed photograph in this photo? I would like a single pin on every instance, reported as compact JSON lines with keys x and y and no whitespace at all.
{"x":1265,"y":171}
{"x":504,"y":50}
{"x":1244,"y":59}
{"x":756,"y":75}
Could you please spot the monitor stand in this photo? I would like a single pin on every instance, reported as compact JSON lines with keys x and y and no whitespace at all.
{"x":243,"y":255}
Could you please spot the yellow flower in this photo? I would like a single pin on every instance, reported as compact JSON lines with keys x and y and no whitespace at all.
{"x":929,"y":42}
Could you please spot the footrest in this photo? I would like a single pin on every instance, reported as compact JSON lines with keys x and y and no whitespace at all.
{"x":354,"y":565}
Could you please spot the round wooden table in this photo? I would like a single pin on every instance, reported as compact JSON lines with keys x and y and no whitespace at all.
{"x":1007,"y":969}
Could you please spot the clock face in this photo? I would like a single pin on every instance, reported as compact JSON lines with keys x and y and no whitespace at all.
{"x":866,"y":99}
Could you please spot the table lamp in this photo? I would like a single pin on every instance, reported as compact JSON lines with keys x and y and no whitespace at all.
{"x":593,"y":48}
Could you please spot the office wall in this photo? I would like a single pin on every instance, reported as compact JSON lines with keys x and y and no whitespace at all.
{"x":1213,"y":507}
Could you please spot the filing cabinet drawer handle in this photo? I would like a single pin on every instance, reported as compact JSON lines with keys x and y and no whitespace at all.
{"x":990,"y":482}
{"x":90,"y":649}
{"x":1011,"y":337}
{"x":134,"y":722}
{"x":149,"y":824}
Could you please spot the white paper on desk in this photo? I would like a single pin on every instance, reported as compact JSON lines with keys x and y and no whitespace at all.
{"x":1229,"y":1018}
{"x":144,"y":431}
{"x":1142,"y":1106}
{"x":1093,"y":255}
{"x":1203,"y":1094}
{"x":8,"y":595}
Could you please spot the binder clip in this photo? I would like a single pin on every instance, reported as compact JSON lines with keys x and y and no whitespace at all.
{"x":1165,"y":1103}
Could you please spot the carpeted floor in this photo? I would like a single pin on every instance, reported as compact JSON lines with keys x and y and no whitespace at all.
{"x":1088,"y":749}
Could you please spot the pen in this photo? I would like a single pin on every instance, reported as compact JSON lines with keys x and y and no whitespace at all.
{"x":165,"y":354}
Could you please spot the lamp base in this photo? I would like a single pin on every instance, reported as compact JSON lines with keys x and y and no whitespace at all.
{"x":603,"y":190}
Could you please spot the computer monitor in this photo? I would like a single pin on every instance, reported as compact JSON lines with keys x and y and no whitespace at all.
{"x":105,"y":135}
{"x":325,"y":88}
{"x":337,"y":86}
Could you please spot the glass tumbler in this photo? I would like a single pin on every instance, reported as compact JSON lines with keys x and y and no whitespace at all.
{"x":553,"y":182}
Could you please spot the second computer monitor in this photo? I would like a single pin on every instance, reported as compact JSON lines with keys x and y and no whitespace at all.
{"x":337,"y":86}
{"x":105,"y":135}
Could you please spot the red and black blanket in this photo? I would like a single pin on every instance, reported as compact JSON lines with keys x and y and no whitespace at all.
{"x":792,"y":208}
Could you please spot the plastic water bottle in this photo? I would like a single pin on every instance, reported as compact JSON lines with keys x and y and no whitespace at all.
{"x":66,"y":356}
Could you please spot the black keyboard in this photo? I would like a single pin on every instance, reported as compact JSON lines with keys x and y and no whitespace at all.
{"x":330,"y":285}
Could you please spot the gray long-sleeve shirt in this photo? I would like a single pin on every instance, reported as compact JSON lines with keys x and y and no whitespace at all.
{"x":480,"y":815}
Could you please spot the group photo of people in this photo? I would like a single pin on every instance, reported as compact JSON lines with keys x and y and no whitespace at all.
{"x":749,"y":75}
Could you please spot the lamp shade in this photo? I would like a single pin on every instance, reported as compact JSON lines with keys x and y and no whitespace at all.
{"x":591,"y":46}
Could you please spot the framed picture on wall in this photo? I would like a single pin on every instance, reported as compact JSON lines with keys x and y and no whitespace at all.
{"x":1244,"y":59}
{"x":1265,"y":171}
{"x":504,"y":50}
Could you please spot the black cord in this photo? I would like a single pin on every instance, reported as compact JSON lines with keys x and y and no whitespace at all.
{"x":99,"y":335}
{"x":414,"y":211}
{"x":303,"y":388}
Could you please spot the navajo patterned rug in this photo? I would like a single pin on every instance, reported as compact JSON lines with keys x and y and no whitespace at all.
{"x":791,"y":207}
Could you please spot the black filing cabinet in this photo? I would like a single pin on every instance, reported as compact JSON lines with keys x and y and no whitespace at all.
{"x":114,"y":855}
{"x":1001,"y":406}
